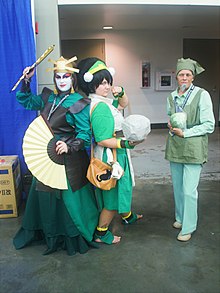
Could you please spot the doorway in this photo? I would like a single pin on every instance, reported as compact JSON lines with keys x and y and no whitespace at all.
{"x":207,"y":53}
{"x":83,"y":48}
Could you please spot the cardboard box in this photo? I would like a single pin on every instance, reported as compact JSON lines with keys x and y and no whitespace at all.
{"x":10,"y":186}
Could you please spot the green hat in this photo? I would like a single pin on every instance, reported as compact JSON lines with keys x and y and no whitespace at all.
{"x":189,"y":64}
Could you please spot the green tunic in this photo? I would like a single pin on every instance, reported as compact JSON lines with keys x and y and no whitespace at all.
{"x":120,"y":197}
{"x":61,"y":219}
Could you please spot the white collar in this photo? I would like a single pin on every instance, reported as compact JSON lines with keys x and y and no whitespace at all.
{"x":96,"y":99}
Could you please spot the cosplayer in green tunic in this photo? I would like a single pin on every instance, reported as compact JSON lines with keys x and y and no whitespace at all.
{"x":191,"y":120}
{"x":120,"y":197}
{"x":62,"y":219}
{"x":95,"y":79}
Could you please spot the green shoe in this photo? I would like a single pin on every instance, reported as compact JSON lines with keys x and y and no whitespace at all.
{"x":131,"y":219}
{"x":106,"y":237}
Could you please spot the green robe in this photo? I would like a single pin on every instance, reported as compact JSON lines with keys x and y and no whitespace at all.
{"x":60,"y":219}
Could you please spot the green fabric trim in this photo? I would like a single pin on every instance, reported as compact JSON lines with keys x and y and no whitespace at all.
{"x":127,"y":145}
{"x":107,"y":238}
{"x":83,"y":210}
{"x":47,"y":220}
{"x":115,"y":103}
{"x":30,"y":101}
{"x":132,"y":220}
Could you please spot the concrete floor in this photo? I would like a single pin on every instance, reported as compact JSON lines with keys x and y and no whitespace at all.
{"x":149,"y":258}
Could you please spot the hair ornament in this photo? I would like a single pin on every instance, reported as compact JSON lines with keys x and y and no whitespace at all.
{"x":88,"y":77}
{"x":111,"y":70}
{"x":63,"y":65}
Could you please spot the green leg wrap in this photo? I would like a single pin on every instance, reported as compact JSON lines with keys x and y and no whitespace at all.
{"x":107,"y":238}
{"x":130,"y":220}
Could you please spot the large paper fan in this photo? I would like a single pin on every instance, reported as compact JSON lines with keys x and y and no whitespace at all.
{"x":40,"y":156}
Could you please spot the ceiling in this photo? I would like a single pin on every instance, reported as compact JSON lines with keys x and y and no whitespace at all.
{"x":76,"y":18}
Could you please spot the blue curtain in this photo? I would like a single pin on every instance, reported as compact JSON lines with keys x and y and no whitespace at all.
{"x":17,"y":50}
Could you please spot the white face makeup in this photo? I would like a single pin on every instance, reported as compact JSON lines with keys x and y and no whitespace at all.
{"x":63,"y":81}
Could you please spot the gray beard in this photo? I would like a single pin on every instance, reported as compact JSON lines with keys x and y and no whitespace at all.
{"x":182,"y":88}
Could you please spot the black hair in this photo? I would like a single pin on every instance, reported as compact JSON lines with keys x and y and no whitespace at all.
{"x":98,"y":77}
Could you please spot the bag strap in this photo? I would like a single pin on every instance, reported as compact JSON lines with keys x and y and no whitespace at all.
{"x":92,"y":148}
{"x":113,"y":151}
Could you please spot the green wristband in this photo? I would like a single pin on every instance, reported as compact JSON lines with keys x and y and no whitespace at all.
{"x":125,"y":144}
{"x":121,"y":94}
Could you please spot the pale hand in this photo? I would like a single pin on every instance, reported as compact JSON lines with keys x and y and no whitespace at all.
{"x":116,"y":90}
{"x":177,"y":131}
{"x":61,"y":147}
{"x":134,"y":143}
{"x":28,"y":72}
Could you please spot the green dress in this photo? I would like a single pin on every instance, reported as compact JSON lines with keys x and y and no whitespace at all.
{"x":120,"y":197}
{"x":61,"y":219}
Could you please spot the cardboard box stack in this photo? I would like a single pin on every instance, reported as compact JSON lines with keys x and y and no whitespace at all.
{"x":10,"y":186}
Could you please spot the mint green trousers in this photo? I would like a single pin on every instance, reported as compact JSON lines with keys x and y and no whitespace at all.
{"x":185,"y":179}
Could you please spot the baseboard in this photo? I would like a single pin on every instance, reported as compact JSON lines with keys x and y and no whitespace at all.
{"x":164,"y":125}
{"x":158,"y":125}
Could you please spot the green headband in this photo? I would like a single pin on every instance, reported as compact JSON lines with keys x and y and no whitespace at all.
{"x":97,"y":66}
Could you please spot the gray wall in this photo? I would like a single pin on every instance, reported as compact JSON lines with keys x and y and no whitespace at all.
{"x":46,"y":14}
{"x":125,"y":51}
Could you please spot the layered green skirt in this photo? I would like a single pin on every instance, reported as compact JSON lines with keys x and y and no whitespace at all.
{"x":60,"y":220}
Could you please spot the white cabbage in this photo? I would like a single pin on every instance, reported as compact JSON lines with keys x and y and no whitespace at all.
{"x":136,"y":127}
{"x":178,"y":120}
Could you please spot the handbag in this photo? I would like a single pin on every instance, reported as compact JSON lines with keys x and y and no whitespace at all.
{"x":99,"y":173}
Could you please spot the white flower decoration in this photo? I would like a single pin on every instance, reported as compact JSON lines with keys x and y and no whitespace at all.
{"x":88,"y":77}
{"x":112,"y":71}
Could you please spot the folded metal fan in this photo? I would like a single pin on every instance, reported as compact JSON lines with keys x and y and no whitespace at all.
{"x":40,"y":156}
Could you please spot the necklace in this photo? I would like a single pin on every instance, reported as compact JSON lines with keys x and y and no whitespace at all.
{"x":54,"y":106}
{"x":180,"y":108}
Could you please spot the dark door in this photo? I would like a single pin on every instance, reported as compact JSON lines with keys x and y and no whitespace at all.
{"x":207,"y":53}
{"x":83,"y":48}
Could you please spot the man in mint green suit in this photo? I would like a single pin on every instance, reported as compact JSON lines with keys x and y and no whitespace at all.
{"x":191,"y":120}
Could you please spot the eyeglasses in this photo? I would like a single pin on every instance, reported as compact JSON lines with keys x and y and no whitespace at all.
{"x":185,"y":74}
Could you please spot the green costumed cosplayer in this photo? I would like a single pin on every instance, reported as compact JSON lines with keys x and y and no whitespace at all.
{"x":95,"y":80}
{"x":191,"y":121}
{"x":61,"y":218}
